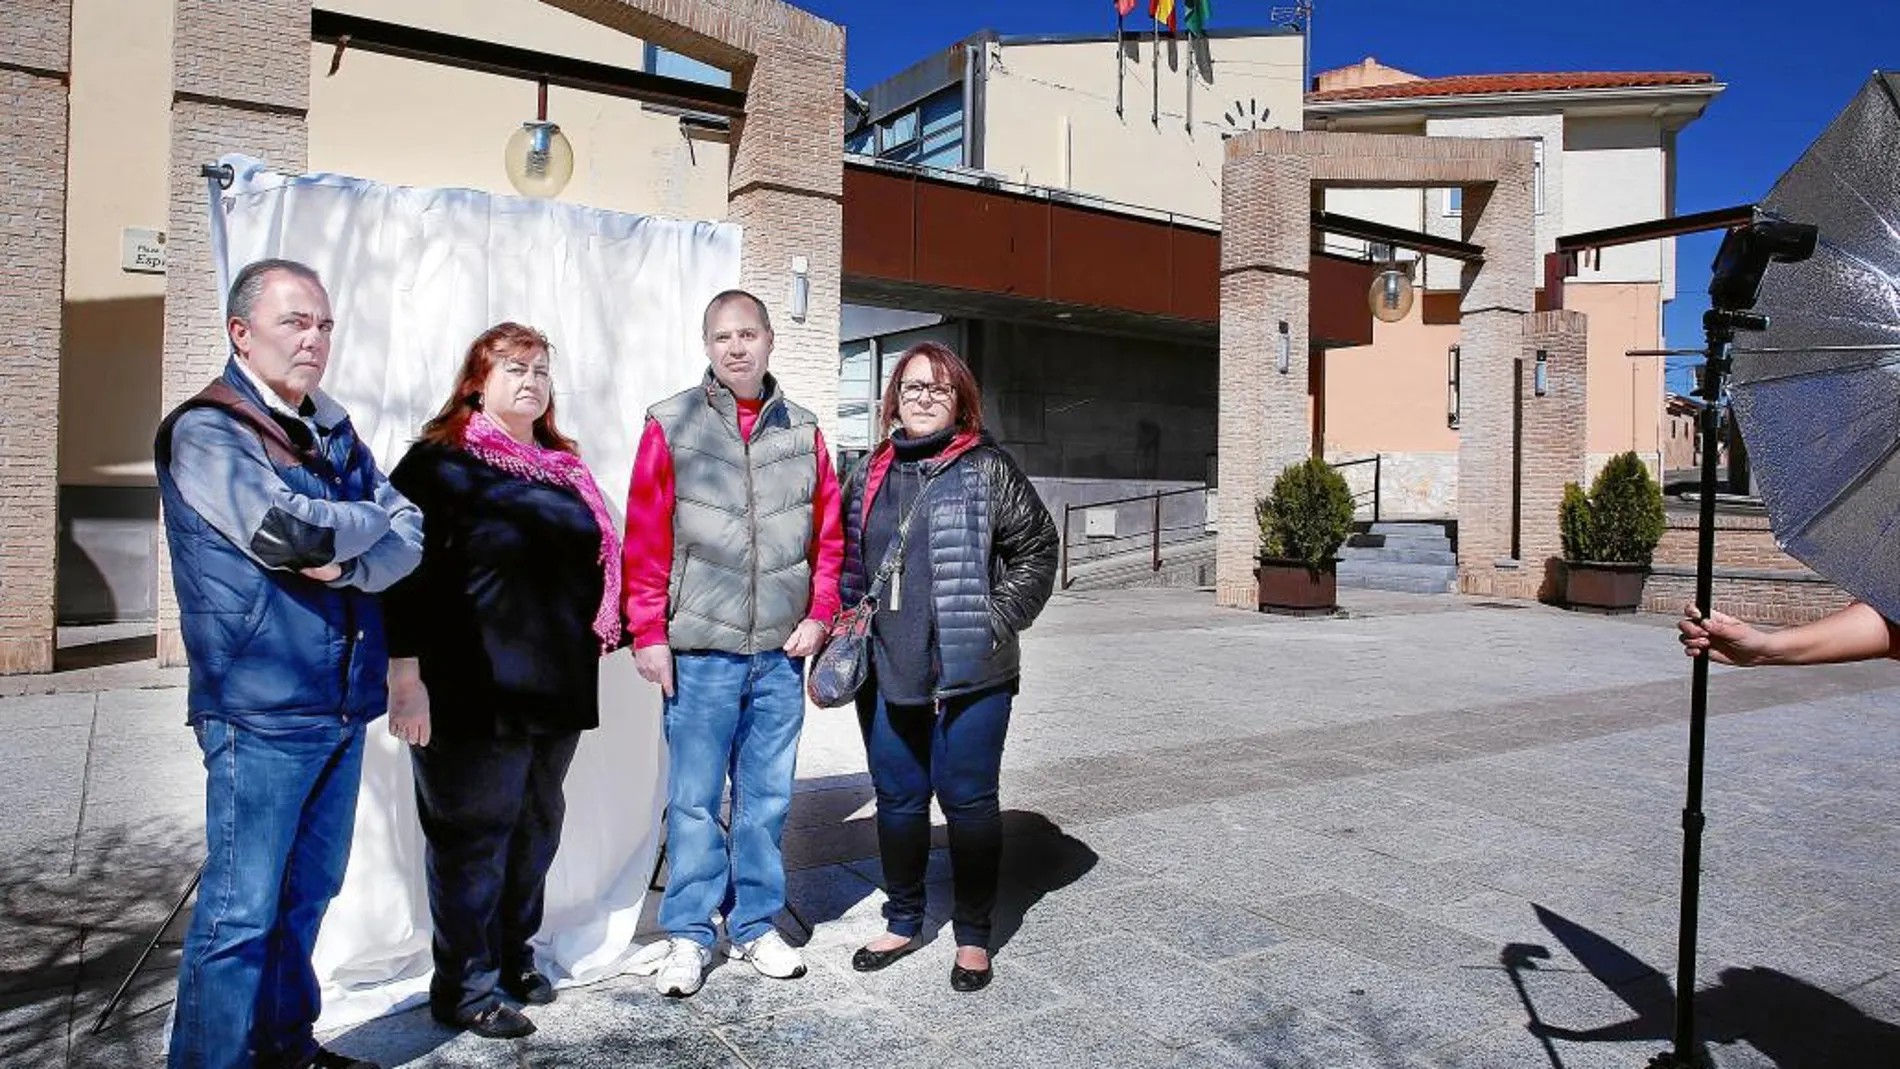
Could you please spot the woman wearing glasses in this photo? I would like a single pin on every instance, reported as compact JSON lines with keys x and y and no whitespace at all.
{"x":972,"y":552}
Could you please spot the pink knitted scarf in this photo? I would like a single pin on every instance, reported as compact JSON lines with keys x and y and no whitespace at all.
{"x":486,"y":440}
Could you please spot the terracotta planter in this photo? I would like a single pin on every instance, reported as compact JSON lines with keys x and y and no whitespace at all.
{"x":1612,"y":588}
{"x":1290,"y":588}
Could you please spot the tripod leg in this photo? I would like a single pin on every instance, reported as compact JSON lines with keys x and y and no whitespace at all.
{"x":113,"y":1003}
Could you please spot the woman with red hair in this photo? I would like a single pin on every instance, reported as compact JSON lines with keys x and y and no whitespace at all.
{"x":495,"y":644}
{"x":967,"y":553}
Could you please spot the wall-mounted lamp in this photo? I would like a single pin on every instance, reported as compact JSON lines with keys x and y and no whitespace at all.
{"x":538,"y":157}
{"x":1285,"y":360}
{"x":799,"y":299}
{"x":1540,"y":374}
{"x":1451,"y":387}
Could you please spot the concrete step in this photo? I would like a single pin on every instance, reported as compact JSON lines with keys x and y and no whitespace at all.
{"x":1408,"y":528}
{"x":1403,"y":554}
{"x":1383,"y":575}
{"x":1397,"y":583}
{"x":1438,"y":543}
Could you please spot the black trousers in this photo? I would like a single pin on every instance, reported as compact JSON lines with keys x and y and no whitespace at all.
{"x":491,"y":810}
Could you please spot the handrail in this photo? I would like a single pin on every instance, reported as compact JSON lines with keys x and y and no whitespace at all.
{"x":1154,"y":534}
{"x":1377,"y":460}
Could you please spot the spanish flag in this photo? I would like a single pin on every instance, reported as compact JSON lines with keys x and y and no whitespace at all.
{"x":1163,"y":11}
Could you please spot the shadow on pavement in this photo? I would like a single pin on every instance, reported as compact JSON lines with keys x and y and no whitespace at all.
{"x":1790,"y":1021}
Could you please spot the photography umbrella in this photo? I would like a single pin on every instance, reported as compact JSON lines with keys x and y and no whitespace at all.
{"x":1818,"y":395}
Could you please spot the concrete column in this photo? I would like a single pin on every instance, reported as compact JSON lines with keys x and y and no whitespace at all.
{"x":35,"y":51}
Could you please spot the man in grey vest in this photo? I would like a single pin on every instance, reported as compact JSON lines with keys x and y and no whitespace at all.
{"x":733,"y":549}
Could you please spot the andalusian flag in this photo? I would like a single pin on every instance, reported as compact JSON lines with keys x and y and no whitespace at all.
{"x":1197,"y":12}
{"x":1163,"y":11}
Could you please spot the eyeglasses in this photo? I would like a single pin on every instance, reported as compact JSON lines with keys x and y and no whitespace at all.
{"x":916,"y":391}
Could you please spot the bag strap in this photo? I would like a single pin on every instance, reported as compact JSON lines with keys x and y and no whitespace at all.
{"x":895,"y":554}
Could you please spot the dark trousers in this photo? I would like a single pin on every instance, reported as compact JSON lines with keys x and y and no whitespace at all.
{"x":491,"y":810}
{"x":914,"y":751}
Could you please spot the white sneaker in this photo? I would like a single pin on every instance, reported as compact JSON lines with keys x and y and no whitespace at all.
{"x":684,"y":968}
{"x":772,"y":956}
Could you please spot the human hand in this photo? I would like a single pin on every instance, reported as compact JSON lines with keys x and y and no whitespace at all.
{"x":408,"y":702}
{"x":1727,"y":640}
{"x":324,"y":573}
{"x":655,"y":663}
{"x":806,"y":638}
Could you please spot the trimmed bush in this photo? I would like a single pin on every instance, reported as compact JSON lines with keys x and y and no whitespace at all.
{"x":1308,"y":514}
{"x":1619,"y":521}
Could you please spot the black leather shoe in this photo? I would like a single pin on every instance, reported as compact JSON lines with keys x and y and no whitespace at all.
{"x":529,"y":986}
{"x":868,"y":960}
{"x":497,"y":1021}
{"x":962,"y":979}
{"x":329,"y":1059}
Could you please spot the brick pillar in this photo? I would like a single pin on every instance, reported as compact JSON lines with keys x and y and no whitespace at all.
{"x":1266,"y":208}
{"x":1553,"y":444}
{"x":35,"y":55}
{"x":787,"y":193}
{"x":240,"y":83}
{"x":1498,"y":293}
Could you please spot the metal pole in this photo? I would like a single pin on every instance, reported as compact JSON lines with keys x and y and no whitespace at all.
{"x":1720,"y":328}
{"x":1378,"y":462}
{"x":1065,"y":547}
{"x":1157,"y":533}
{"x":112,"y":1003}
{"x":1118,"y":63}
{"x":1155,"y":117}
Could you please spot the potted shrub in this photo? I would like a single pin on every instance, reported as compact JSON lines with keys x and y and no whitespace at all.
{"x":1609,"y":535}
{"x":1302,"y":522}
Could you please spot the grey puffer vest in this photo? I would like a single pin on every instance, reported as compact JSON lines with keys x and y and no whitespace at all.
{"x":742,"y":519}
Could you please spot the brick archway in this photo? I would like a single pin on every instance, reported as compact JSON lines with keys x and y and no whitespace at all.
{"x":241,"y":84}
{"x":1267,"y":183}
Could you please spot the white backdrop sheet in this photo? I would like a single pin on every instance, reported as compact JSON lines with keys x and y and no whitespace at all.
{"x":414,"y":275}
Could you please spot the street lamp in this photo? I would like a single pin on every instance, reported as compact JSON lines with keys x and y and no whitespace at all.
{"x":538,"y":157}
{"x":1391,"y":294}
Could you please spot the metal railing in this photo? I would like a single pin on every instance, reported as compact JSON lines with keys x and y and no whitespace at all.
{"x":1153,"y":534}
{"x":1377,"y":460}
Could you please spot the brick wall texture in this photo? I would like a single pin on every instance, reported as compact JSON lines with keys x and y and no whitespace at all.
{"x":1266,"y":198}
{"x":33,"y":106}
{"x":242,"y":84}
{"x":1552,"y":434}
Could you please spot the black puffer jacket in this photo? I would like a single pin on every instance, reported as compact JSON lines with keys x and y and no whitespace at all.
{"x":993,"y":553}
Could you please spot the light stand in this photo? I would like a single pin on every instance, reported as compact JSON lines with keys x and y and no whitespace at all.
{"x":1739,"y":265}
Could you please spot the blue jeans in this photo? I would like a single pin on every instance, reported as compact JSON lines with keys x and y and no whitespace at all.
{"x":739,"y":713}
{"x":955,"y":751}
{"x":280,"y":808}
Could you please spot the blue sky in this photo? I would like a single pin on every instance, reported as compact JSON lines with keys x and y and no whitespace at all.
{"x":1790,"y":67}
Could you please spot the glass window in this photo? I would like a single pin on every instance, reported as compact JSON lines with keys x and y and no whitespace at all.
{"x":897,"y":130}
{"x":1455,"y":201}
{"x":862,"y":142}
{"x":673,"y":65}
{"x":1537,"y":176}
{"x":856,"y":403}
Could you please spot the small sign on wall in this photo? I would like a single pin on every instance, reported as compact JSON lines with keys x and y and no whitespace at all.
{"x":142,"y":250}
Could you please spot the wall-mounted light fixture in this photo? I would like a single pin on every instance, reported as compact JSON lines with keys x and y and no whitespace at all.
{"x":538,"y":157}
{"x":1540,"y":374}
{"x":1451,"y":387}
{"x":1285,"y":359}
{"x":799,"y":299}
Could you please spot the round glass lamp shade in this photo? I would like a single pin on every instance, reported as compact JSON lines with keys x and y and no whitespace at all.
{"x":539,"y":160}
{"x":1390,"y":296}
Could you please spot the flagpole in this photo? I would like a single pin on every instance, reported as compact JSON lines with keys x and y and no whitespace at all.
{"x":1118,"y":63}
{"x":1187,"y":66}
{"x":1155,"y":117}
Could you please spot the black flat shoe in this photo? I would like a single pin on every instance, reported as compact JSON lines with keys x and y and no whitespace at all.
{"x":496,"y":1022}
{"x":868,"y":960}
{"x":962,"y":979}
{"x":529,"y":986}
{"x":325,"y":1058}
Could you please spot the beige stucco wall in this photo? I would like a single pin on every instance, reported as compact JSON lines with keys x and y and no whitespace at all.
{"x":113,"y":323}
{"x":1626,"y":394}
{"x":1050,"y":116}
{"x":392,"y":120}
{"x":412,"y":123}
